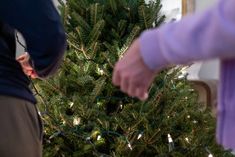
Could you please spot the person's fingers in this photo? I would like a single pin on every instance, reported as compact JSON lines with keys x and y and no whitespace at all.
{"x":27,"y":72}
{"x":24,"y":56}
{"x":24,"y":61}
{"x":26,"y":66}
{"x":116,"y":79}
{"x":124,"y":83}
{"x":132,"y":89}
{"x":21,"y":57}
{"x":33,"y":75}
{"x":138,"y":89}
{"x":30,"y":73}
{"x":142,"y":93}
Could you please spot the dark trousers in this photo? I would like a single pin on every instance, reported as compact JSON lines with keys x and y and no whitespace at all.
{"x":20,"y":128}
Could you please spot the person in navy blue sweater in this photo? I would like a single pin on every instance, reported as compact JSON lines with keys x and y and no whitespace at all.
{"x":40,"y":24}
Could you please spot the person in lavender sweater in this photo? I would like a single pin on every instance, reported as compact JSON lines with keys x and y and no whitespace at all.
{"x":196,"y":37}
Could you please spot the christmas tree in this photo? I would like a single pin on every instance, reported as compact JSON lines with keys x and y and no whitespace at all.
{"x":85,"y":115}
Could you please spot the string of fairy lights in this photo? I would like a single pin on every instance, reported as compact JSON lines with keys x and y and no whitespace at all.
{"x":171,"y":145}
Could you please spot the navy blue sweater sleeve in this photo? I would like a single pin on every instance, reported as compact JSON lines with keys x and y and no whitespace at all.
{"x":40,"y":24}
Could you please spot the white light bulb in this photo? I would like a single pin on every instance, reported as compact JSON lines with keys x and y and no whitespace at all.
{"x":129,"y":145}
{"x":76,"y":121}
{"x":210,"y":155}
{"x":169,"y":138}
{"x":171,"y":143}
{"x":186,"y":139}
{"x":71,"y":104}
{"x":88,"y":138}
{"x":139,"y":136}
{"x":100,"y":71}
{"x":98,"y":137}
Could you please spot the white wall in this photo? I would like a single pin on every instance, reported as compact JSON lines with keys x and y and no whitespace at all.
{"x":202,"y":5}
{"x":208,"y":70}
{"x":172,"y":9}
{"x":171,"y":4}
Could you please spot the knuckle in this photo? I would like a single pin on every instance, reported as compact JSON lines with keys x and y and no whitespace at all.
{"x":125,"y":76}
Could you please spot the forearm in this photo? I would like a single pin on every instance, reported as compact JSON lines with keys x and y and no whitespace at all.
{"x":47,"y":62}
{"x":197,"y":37}
{"x":40,"y":24}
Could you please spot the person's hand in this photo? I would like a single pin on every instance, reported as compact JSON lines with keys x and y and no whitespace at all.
{"x":26,"y":67}
{"x":131,"y":73}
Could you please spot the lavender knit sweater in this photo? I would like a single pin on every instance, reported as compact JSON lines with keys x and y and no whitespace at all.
{"x":201,"y":37}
